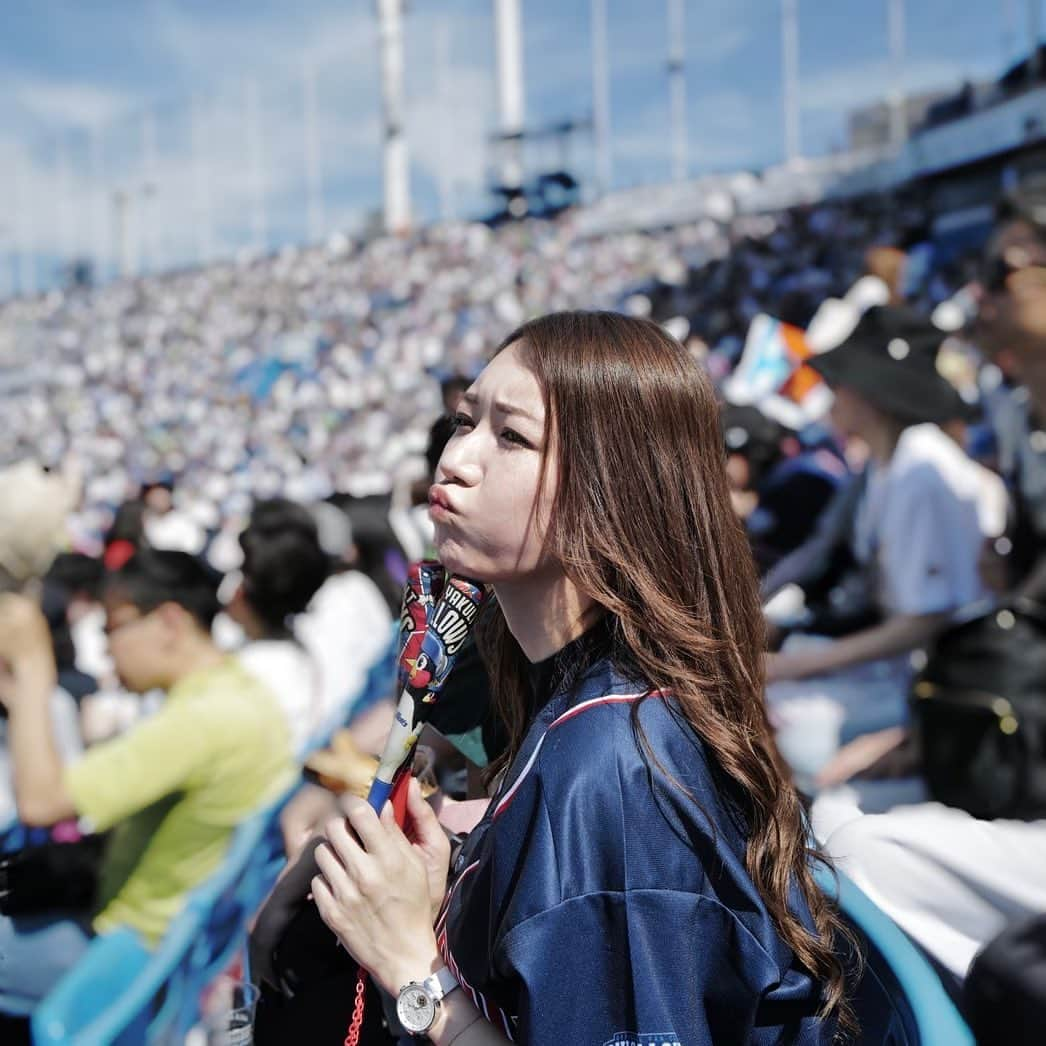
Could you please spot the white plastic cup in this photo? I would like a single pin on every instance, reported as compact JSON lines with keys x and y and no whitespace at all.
{"x":808,"y":730}
{"x":228,"y":1018}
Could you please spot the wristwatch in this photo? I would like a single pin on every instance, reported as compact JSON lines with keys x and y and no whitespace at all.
{"x":418,"y":1002}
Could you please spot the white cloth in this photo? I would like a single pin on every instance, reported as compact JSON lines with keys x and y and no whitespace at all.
{"x":175,"y":531}
{"x":91,"y":646}
{"x":346,"y":628}
{"x":225,"y":632}
{"x":293,"y":676}
{"x":949,"y":880}
{"x":921,"y":523}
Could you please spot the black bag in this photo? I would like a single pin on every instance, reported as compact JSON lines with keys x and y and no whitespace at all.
{"x":979,"y":712}
{"x":1004,"y":996}
{"x":306,"y":978}
{"x":51,"y":877}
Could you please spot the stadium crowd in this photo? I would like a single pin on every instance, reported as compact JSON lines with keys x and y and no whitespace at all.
{"x":235,"y":460}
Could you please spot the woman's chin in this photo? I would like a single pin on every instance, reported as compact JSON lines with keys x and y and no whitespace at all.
{"x":455,"y":560}
{"x":460,"y":562}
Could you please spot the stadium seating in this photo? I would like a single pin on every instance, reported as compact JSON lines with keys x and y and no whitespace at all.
{"x":900,"y":1000}
{"x":120,"y":992}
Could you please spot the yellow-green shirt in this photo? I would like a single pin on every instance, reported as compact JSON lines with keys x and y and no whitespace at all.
{"x":174,"y":788}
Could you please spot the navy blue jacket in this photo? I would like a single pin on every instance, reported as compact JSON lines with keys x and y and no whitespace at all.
{"x":597,"y":905}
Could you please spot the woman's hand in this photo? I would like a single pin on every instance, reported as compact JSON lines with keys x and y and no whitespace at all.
{"x":427,"y":836}
{"x":376,"y":890}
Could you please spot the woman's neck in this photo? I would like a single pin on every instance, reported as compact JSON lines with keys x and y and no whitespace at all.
{"x":882,"y":439}
{"x":544,"y":613}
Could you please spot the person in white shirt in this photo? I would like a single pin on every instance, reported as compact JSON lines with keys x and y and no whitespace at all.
{"x":347,"y":628}
{"x":284,"y":566}
{"x":922,"y":518}
{"x":166,"y":525}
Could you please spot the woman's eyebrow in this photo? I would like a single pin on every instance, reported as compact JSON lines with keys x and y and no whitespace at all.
{"x":511,"y":408}
{"x":503,"y":407}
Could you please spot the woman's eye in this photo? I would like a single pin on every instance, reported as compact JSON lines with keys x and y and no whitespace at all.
{"x":460,"y":420}
{"x":512,"y":436}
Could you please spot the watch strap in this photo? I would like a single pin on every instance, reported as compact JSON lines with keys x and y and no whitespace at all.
{"x":441,"y":983}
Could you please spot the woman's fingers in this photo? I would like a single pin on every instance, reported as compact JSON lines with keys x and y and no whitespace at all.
{"x":425,"y":828}
{"x":377,"y":835}
{"x":338,"y":878}
{"x":330,"y":910}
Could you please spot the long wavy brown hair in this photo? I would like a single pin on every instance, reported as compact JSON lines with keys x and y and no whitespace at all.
{"x":641,"y":522}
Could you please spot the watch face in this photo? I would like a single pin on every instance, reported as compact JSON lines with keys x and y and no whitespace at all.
{"x":415,"y":1008}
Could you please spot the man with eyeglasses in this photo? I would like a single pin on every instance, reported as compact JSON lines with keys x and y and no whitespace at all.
{"x":170,"y":791}
{"x":1011,"y":330}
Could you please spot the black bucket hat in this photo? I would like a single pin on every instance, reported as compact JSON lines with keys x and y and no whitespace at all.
{"x":890,"y":358}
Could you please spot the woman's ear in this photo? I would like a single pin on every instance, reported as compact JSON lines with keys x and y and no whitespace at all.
{"x":175,"y":621}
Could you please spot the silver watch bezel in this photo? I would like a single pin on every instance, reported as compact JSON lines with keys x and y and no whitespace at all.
{"x":405,"y":1015}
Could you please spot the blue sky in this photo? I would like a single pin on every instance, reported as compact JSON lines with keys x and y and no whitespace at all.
{"x":87,"y":82}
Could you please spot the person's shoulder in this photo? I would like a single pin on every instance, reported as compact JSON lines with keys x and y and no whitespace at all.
{"x":276,"y":655}
{"x":927,"y":458}
{"x":352,"y":590}
{"x":625,"y":734}
{"x":922,"y":444}
{"x":221,"y":692}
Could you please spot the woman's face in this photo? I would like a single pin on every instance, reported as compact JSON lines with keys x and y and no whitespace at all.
{"x":490,"y":502}
{"x":850,"y":413}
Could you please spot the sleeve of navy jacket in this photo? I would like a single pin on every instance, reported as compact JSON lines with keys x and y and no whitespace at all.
{"x":597,"y":904}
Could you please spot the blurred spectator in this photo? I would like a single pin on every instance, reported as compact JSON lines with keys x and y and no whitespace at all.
{"x":81,"y":578}
{"x":954,"y":881}
{"x":1011,"y":328}
{"x":375,"y":549}
{"x":172,"y":789}
{"x":283,"y":568}
{"x":55,"y":604}
{"x":888,"y":265}
{"x":922,"y":515}
{"x":347,"y":628}
{"x":126,"y":534}
{"x":780,"y":481}
{"x":165,"y":525}
{"x":32,"y":529}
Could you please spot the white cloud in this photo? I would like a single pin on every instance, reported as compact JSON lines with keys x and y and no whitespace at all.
{"x":68,"y":104}
{"x":66,"y":210}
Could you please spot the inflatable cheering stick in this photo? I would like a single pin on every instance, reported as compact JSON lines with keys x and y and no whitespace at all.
{"x":448,"y":626}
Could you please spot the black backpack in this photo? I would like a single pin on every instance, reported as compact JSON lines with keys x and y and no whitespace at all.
{"x":979,"y":712}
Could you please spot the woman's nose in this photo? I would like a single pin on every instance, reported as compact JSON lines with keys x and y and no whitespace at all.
{"x":459,"y":462}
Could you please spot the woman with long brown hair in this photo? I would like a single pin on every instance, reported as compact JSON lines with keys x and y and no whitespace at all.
{"x":642,"y":873}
